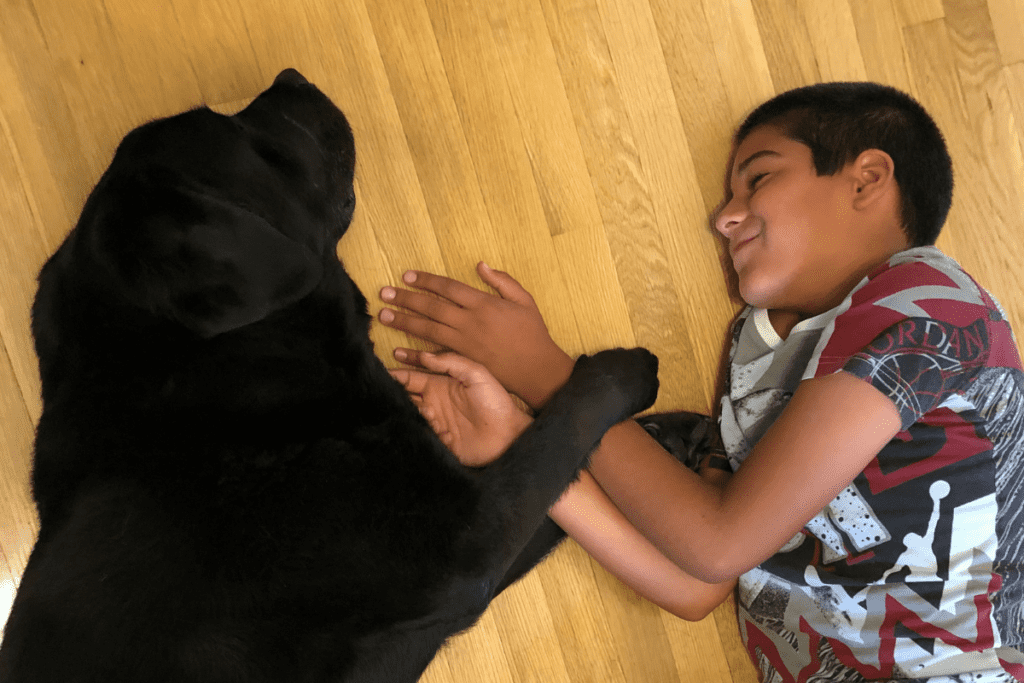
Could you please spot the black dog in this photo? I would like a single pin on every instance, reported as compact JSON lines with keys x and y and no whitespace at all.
{"x":231,"y":487}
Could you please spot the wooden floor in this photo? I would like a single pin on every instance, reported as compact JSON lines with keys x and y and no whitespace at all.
{"x":578,"y":144}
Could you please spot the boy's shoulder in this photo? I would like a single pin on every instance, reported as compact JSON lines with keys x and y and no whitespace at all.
{"x":923,"y":283}
{"x":924,"y":299}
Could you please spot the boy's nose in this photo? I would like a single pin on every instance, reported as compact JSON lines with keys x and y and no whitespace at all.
{"x":729,"y":216}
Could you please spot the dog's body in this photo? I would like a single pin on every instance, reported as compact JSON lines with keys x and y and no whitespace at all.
{"x":230,"y":485}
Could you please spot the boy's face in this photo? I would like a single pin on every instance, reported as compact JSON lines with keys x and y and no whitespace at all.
{"x":794,"y":238}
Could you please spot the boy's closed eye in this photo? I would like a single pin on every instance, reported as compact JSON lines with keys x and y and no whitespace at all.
{"x":754,"y":179}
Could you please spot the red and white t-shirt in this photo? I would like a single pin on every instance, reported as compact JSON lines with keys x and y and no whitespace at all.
{"x":915,"y":572}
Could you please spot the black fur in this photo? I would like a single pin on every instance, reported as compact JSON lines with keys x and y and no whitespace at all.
{"x":230,"y":485}
{"x":689,"y":437}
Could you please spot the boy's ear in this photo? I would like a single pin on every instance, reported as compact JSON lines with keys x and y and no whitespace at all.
{"x":874,"y":177}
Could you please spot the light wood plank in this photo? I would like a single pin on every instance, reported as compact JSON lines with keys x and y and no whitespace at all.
{"x":580,"y":618}
{"x":215,"y":35}
{"x":630,"y":226}
{"x":150,"y":43}
{"x":639,"y":639}
{"x":438,"y":148}
{"x":18,"y":522}
{"x":528,"y":634}
{"x":22,"y":253}
{"x":1015,"y":83}
{"x":476,"y":655}
{"x":501,"y":158}
{"x":742,"y":53}
{"x":93,"y":76}
{"x":679,"y":211}
{"x":1008,"y":21}
{"x":881,"y":42}
{"x":787,"y":43}
{"x":912,"y":12}
{"x":743,"y":670}
{"x":834,"y":39}
{"x":697,"y":648}
{"x":538,"y":95}
{"x":38,"y":121}
{"x":698,"y":68}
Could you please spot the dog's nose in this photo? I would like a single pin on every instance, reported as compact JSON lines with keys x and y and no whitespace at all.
{"x":291,"y":77}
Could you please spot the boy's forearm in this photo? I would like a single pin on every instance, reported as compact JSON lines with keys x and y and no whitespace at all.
{"x":587,"y":514}
{"x":670,"y":505}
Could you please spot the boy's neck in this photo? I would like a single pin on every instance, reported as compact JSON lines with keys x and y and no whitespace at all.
{"x":784,"y":321}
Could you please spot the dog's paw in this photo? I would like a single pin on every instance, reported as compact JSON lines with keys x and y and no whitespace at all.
{"x":630,"y":375}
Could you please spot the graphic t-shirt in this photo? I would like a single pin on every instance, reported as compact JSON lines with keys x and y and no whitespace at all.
{"x":914,"y":572}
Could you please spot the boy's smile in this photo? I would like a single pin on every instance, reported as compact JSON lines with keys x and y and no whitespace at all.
{"x":799,"y":241}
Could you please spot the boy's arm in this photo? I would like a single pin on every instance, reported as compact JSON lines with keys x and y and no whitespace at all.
{"x":831,"y":429}
{"x":589,"y":516}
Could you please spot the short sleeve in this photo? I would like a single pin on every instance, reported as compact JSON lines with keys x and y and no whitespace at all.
{"x":920,"y":362}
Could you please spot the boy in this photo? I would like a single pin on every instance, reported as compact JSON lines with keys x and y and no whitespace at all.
{"x":873,"y":413}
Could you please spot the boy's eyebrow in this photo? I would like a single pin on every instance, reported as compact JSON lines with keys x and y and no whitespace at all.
{"x":753,"y":157}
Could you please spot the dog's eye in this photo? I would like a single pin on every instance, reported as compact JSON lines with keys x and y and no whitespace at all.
{"x":272,"y":156}
{"x":285,"y":164}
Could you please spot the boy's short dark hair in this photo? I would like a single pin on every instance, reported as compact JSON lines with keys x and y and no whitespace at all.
{"x":838,"y":121}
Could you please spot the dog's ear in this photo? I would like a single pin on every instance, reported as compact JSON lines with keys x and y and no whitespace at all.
{"x":210,"y":264}
{"x":245,"y":270}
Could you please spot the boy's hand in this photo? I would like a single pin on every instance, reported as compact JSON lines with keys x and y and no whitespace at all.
{"x":504,"y":333}
{"x":467,"y":407}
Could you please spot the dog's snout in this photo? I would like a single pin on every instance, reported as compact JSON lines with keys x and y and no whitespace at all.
{"x":291,"y":77}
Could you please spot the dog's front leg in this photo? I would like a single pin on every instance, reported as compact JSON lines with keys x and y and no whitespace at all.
{"x":520,"y":487}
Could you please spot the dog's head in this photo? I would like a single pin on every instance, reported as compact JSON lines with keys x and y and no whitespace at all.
{"x":215,"y":222}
